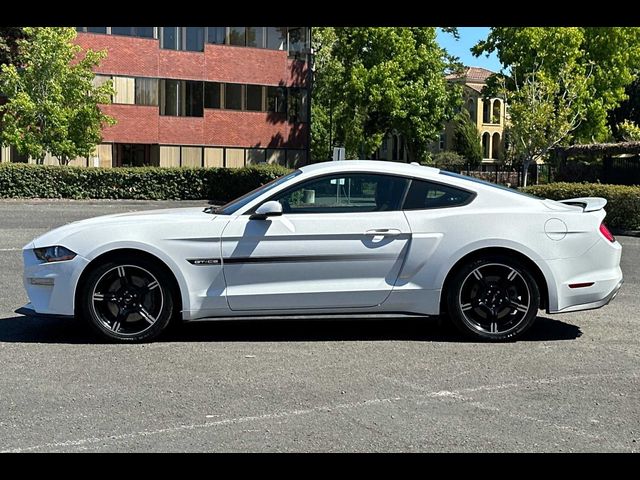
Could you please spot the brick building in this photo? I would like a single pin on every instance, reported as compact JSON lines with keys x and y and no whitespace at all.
{"x":201,"y":96}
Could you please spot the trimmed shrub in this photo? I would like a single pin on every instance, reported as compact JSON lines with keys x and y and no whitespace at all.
{"x":623,"y":202}
{"x":142,"y":183}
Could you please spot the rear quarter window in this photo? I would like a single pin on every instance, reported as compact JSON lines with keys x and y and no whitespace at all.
{"x":425,"y":195}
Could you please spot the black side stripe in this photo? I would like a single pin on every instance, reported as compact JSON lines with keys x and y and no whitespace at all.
{"x":311,"y":258}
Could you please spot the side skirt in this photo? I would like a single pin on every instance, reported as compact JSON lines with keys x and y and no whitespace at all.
{"x":332,"y":316}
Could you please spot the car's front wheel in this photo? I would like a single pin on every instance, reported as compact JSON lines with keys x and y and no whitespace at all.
{"x":493,"y":298}
{"x":129,"y":300}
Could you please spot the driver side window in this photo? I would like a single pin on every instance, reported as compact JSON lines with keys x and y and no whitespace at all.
{"x":342,"y":193}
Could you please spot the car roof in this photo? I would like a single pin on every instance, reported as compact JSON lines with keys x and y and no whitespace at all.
{"x":377,"y":166}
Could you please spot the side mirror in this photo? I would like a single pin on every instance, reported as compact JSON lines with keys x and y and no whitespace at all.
{"x":267,"y":209}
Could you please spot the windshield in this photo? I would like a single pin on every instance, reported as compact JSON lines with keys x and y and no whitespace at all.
{"x":235,"y":205}
{"x":484,"y":182}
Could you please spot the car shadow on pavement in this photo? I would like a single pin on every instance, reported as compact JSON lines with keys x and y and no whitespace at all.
{"x":39,"y":330}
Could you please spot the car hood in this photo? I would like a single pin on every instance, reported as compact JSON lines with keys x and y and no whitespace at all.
{"x":123,"y":223}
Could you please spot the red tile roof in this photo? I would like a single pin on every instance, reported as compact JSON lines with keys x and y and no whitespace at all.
{"x":472,"y":74}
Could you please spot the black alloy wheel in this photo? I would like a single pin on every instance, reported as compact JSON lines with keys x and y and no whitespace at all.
{"x":128,"y":301}
{"x":493,"y":298}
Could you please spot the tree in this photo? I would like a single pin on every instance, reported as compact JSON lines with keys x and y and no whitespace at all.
{"x":608,"y":56}
{"x":628,"y":111}
{"x":629,"y":131}
{"x":466,"y":139}
{"x":9,"y":37}
{"x":543,"y":112}
{"x":372,"y":80}
{"x":52,"y":103}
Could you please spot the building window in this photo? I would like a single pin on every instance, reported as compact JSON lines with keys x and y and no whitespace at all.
{"x":486,"y":140}
{"x":255,"y":37}
{"x":194,"y":39}
{"x":124,"y":90}
{"x":182,"y":98}
{"x":193,"y":98}
{"x":96,"y":29}
{"x":254,"y":98}
{"x":216,"y":35}
{"x":132,"y":155}
{"x":496,"y":112}
{"x":486,"y":111}
{"x":190,"y":39}
{"x":276,"y":99}
{"x":237,"y":36}
{"x":146,"y":91}
{"x":495,"y":146}
{"x":145,"y":32}
{"x":169,"y":97}
{"x":233,"y":96}
{"x":212,"y":94}
{"x":298,"y":40}
{"x":297,"y":105}
{"x":169,"y":38}
{"x":276,"y":38}
{"x":443,"y":141}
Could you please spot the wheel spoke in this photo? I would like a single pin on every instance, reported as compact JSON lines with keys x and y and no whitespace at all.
{"x":123,"y":276}
{"x":519,"y":307}
{"x":147,"y":316}
{"x":98,"y":297}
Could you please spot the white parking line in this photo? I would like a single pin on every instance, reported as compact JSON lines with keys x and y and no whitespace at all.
{"x":10,"y":249}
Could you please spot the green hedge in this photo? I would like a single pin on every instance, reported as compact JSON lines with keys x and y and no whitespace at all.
{"x":143,"y":183}
{"x":623,"y":203}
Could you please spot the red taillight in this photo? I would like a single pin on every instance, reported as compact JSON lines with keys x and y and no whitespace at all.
{"x":607,"y":234}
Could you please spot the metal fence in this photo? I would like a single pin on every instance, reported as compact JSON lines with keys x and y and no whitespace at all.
{"x":537,"y":174}
{"x":621,"y":170}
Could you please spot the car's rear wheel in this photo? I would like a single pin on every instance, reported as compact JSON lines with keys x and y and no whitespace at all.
{"x":129,"y":300}
{"x":493,"y":298}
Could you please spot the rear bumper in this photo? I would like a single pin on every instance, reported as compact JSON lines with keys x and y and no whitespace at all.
{"x":595,"y":304}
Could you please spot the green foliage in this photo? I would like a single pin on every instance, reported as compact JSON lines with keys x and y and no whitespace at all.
{"x":372,"y":80}
{"x":446,"y":160}
{"x":542,"y":112}
{"x":466,"y":140}
{"x":606,"y":57}
{"x":629,"y":131}
{"x":148,"y":183}
{"x":52,"y":104}
{"x":9,"y":37}
{"x":629,"y":109}
{"x":623,"y":202}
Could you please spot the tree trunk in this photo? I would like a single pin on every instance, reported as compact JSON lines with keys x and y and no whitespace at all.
{"x":525,"y":171}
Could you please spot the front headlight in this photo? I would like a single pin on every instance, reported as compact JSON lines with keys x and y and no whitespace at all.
{"x":56,"y":253}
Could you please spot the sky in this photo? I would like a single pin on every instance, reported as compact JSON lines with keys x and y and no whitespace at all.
{"x":469,"y":36}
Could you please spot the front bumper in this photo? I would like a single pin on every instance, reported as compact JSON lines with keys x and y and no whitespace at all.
{"x":595,"y":304}
{"x":29,"y":311}
{"x":51,"y":286}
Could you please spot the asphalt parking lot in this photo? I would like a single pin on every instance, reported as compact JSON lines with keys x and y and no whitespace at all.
{"x":572,"y":385}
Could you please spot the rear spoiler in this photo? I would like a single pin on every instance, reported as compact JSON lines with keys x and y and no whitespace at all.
{"x":588,"y":204}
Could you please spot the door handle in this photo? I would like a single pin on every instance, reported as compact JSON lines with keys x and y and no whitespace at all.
{"x":385,"y":232}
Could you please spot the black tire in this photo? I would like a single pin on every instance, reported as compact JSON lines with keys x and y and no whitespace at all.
{"x":493,"y":298}
{"x":128,"y":300}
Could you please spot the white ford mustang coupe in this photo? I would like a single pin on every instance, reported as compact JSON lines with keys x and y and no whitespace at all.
{"x":333,"y":240}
